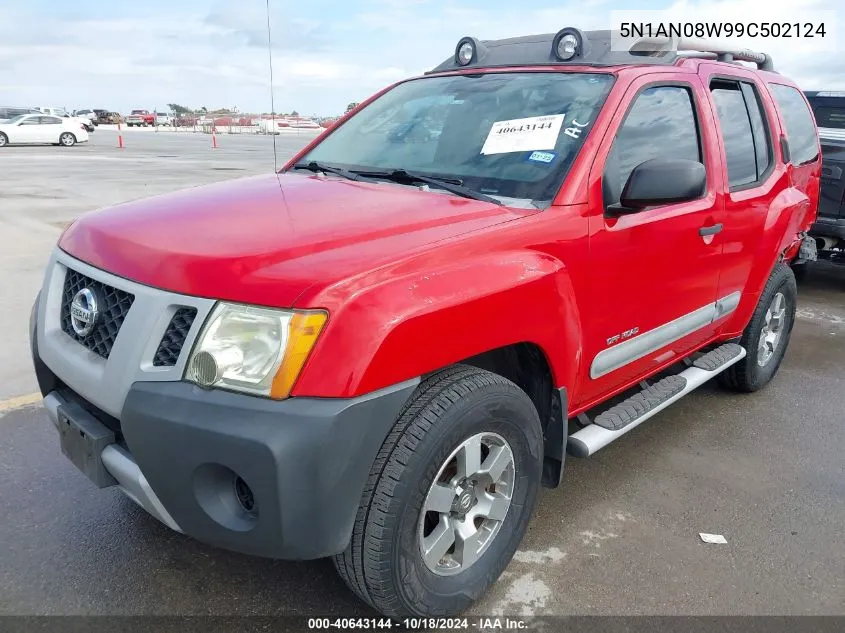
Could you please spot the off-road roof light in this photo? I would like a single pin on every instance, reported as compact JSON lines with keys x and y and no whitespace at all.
{"x":568,"y":43}
{"x":468,"y":51}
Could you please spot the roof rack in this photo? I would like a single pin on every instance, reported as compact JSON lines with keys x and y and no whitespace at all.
{"x":684,"y":46}
{"x":591,"y":48}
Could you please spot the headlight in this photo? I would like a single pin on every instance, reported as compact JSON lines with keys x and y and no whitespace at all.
{"x":254,"y":350}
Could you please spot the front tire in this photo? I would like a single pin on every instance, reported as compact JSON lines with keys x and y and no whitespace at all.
{"x":67,"y":139}
{"x":449,"y":497}
{"x":4,"y":140}
{"x":767,"y":335}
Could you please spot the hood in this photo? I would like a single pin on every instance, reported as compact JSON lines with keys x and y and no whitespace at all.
{"x":266,"y":239}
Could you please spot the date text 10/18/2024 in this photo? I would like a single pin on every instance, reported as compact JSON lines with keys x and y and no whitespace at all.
{"x":420,"y":624}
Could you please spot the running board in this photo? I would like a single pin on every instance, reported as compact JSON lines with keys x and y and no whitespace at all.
{"x":632,"y":412}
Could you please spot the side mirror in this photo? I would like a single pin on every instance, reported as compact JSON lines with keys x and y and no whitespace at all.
{"x":662,"y":181}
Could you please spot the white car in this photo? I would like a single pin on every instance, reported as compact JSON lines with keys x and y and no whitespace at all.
{"x":43,"y":129}
{"x":61,"y":112}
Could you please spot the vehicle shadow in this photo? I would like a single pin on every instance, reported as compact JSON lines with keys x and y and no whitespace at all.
{"x":186,"y":577}
{"x":822,"y":277}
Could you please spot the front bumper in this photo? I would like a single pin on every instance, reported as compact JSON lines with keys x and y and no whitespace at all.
{"x":178,"y":451}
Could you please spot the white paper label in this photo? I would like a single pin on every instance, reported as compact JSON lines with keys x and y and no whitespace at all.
{"x":716,"y":539}
{"x":523,"y":135}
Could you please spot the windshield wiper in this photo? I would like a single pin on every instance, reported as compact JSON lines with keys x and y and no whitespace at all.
{"x":320,"y":167}
{"x":452,"y":185}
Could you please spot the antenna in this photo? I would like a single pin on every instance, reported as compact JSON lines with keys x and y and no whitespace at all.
{"x":272,"y":102}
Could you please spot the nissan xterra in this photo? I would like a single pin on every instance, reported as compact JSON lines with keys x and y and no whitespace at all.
{"x":381,"y":352}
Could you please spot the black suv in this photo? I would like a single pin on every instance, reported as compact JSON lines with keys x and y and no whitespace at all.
{"x":829,"y":229}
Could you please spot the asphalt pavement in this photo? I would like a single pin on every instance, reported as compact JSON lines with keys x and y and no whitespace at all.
{"x":43,"y":188}
{"x":620,"y":537}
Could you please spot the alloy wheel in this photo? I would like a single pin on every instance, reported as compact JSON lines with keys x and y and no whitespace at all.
{"x":772,"y":331}
{"x":466,"y":504}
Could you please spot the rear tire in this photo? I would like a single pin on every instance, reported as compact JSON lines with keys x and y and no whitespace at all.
{"x":420,"y":466}
{"x":4,"y":140}
{"x":767,"y":335}
{"x":67,"y":139}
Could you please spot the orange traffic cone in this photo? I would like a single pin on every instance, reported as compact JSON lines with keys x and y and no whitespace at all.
{"x":119,"y":137}
{"x":214,"y":137}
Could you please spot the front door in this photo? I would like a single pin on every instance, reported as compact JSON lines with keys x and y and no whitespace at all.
{"x":654,"y":273}
{"x":27,"y":131}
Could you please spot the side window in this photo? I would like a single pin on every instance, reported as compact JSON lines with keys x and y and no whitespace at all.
{"x":50,"y":120}
{"x":800,"y":127}
{"x":660,"y":124}
{"x":33,"y":120}
{"x":760,"y":128}
{"x":744,"y":131}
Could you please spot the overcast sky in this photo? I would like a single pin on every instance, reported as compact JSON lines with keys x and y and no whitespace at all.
{"x":119,"y":55}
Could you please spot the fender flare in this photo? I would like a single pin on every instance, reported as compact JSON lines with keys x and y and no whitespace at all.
{"x":391,"y":325}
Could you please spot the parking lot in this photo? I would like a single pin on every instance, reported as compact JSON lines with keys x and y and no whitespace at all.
{"x":621,"y":537}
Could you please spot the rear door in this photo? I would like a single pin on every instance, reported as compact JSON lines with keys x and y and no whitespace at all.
{"x":50,"y":129}
{"x":746,"y":145}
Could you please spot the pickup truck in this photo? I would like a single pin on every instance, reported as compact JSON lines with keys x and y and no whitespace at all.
{"x":140,"y":118}
{"x":829,"y":228}
{"x":382,"y":351}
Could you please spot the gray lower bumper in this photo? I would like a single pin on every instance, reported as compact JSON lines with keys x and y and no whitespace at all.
{"x":123,"y":468}
{"x":185,"y":455}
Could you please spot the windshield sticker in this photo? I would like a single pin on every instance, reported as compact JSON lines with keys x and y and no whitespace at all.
{"x":523,"y":135}
{"x":542,"y":157}
{"x":575,"y":130}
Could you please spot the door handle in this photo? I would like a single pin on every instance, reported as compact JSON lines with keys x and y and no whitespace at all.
{"x":704,"y":231}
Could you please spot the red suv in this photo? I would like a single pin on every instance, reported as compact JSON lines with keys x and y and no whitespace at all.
{"x":380,"y":353}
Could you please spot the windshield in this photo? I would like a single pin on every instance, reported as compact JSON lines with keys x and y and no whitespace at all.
{"x":15,"y":119}
{"x":513,"y":135}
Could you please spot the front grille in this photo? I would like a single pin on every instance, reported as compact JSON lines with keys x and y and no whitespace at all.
{"x":112,"y":304}
{"x":174,"y":337}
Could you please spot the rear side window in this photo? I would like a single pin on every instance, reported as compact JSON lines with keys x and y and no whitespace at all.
{"x":744,"y":132}
{"x":800,"y":128}
{"x":660,"y":124}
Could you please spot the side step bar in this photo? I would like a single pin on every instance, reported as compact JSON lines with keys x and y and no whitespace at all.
{"x":620,"y":419}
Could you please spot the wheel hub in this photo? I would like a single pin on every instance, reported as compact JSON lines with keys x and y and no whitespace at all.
{"x":772,"y":330}
{"x":466,"y":504}
{"x":464,"y":500}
